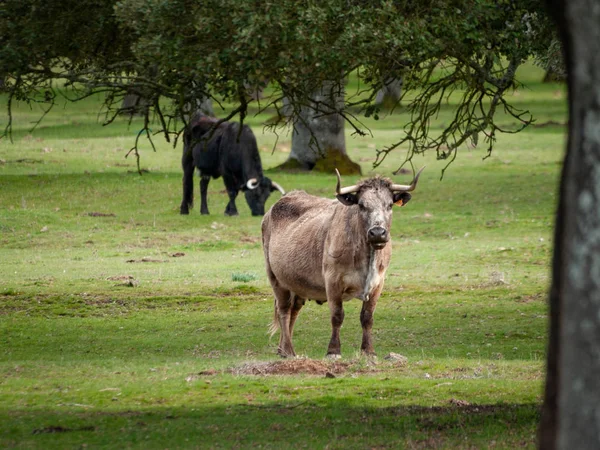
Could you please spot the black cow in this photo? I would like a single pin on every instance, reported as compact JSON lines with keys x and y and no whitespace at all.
{"x":229,"y":153}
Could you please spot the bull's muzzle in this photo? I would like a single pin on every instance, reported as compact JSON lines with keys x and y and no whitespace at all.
{"x":378,"y":237}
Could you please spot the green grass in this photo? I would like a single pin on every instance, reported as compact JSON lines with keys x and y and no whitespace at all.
{"x":124,"y":324}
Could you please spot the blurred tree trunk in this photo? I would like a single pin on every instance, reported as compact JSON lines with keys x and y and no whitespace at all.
{"x":318,"y":140}
{"x":571,"y":414}
{"x":204,"y":105}
{"x":255,"y":91}
{"x":389,"y":95}
{"x":135,"y":105}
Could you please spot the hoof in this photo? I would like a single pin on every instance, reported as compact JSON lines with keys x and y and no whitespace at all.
{"x":286,"y":354}
{"x":333,"y":356}
{"x":371,"y":357}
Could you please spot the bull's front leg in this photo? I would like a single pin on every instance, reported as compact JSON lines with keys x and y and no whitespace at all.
{"x":187,"y":164}
{"x":231,"y":209}
{"x":336,"y":308}
{"x":366,"y":320}
{"x":204,"y":180}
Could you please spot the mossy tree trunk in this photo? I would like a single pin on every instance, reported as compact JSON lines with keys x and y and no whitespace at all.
{"x":318,"y":140}
{"x":571,"y":414}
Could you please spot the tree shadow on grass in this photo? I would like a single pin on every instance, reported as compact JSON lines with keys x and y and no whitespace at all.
{"x":331,"y":423}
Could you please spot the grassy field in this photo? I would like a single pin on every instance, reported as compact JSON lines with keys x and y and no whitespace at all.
{"x":126,"y":325}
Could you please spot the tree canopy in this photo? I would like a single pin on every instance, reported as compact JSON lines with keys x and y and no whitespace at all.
{"x":174,"y":52}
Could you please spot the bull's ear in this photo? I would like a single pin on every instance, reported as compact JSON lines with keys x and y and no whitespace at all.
{"x":347,"y":199}
{"x":401,"y":198}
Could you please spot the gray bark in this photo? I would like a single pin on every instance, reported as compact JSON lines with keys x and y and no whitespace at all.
{"x":205,"y":106}
{"x":319,"y":127}
{"x":134,"y":104}
{"x":255,"y":91}
{"x":389,"y":95}
{"x":571,"y":416}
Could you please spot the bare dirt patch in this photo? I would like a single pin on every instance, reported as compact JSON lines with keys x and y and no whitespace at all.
{"x":125,"y":280}
{"x":100,"y":214}
{"x":146,"y":260}
{"x":247,"y":239}
{"x":120,"y":278}
{"x":291,"y":367}
{"x":532,"y":298}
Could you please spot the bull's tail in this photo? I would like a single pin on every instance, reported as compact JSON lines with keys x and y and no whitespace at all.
{"x":265,"y":231}
{"x":275,"y":323}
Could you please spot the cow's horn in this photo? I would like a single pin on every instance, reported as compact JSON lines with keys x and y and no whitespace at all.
{"x":410,"y":187}
{"x":279,"y":188}
{"x":340,"y":190}
{"x":252,"y":183}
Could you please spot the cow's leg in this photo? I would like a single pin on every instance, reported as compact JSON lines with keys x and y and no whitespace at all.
{"x":232,"y":192}
{"x":204,"y":180}
{"x":285,"y":305}
{"x":336,"y":308}
{"x":366,"y":320}
{"x":188,"y":184}
{"x":297,"y":306}
{"x":231,"y":209}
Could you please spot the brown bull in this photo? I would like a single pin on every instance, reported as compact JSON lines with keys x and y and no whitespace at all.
{"x":330,"y":250}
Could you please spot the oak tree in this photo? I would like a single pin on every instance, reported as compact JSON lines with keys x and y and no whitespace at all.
{"x":215,"y":49}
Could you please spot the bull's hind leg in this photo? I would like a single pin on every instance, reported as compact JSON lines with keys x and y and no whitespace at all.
{"x":284,"y":302}
{"x":297,"y":306}
{"x":284,"y":312}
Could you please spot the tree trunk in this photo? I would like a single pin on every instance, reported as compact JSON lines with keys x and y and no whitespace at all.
{"x":135,"y":105}
{"x":389,"y":95}
{"x":255,"y":91}
{"x":571,"y":415}
{"x":318,"y":140}
{"x":204,"y":106}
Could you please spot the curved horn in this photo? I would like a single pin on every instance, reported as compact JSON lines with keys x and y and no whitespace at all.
{"x":252,"y":183}
{"x":410,"y":187}
{"x":279,"y":188}
{"x":346,"y":190}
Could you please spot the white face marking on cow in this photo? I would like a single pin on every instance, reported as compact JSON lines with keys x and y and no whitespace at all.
{"x":375,"y":208}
